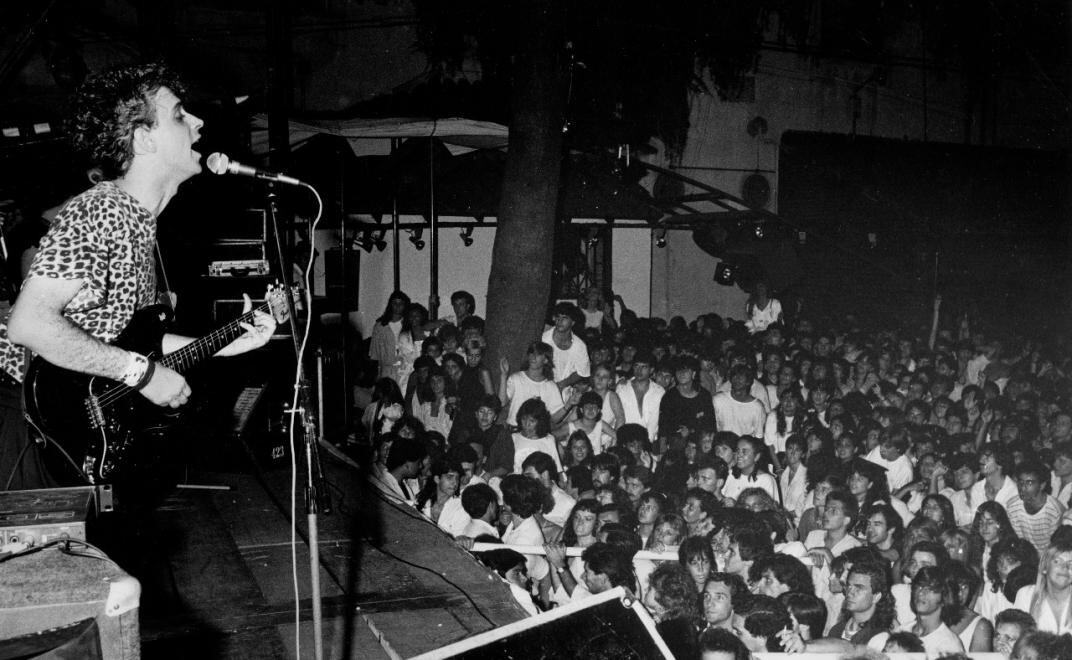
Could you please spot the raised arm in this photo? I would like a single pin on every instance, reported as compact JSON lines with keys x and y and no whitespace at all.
{"x":934,"y":322}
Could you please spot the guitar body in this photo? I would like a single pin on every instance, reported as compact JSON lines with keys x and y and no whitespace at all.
{"x":103,"y":426}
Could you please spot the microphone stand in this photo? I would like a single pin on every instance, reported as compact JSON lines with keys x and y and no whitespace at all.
{"x":317,"y":498}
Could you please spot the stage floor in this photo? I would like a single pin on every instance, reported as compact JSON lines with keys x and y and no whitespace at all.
{"x":217,"y":576}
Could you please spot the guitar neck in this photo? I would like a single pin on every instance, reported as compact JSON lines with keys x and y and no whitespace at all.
{"x":207,"y":346}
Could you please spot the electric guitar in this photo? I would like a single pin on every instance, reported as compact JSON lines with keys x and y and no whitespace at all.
{"x":95,"y":424}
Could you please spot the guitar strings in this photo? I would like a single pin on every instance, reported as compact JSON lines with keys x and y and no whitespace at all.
{"x":120,"y":391}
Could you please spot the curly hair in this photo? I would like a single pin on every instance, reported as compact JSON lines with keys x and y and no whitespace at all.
{"x":108,"y":107}
{"x":1014,"y":549}
{"x":675,"y":591}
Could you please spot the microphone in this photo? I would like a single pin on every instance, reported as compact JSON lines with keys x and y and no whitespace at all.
{"x":220,"y":164}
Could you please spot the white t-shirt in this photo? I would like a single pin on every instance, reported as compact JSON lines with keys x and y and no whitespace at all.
{"x":1002,"y":497}
{"x":563,"y":506}
{"x":759,"y":319}
{"x":525,"y":447}
{"x":573,"y":360}
{"x":520,"y":388}
{"x":734,"y":485}
{"x":528,"y":533}
{"x":742,"y":418}
{"x":452,"y":519}
{"x":599,"y":439}
{"x":771,"y":435}
{"x":898,"y":472}
{"x":794,"y":491}
{"x":939,"y":641}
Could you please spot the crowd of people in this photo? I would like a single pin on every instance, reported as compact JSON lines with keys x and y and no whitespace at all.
{"x":760,"y":485}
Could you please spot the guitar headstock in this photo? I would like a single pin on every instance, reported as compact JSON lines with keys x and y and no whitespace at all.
{"x":276,"y":298}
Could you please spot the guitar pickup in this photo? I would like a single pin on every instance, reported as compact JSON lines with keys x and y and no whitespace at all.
{"x":94,"y":412}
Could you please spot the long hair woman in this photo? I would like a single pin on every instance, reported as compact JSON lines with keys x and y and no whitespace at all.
{"x":383,"y":346}
{"x":1049,"y":600}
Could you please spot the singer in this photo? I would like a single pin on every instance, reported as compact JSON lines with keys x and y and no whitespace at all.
{"x":96,"y":267}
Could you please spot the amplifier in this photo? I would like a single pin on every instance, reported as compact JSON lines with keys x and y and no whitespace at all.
{"x":238,"y":268}
{"x":34,"y":517}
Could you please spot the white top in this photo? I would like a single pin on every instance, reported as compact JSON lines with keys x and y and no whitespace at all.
{"x":1045,"y":619}
{"x":440,"y":423}
{"x":528,"y":533}
{"x":477,"y":527}
{"x":520,"y":388}
{"x":742,"y":418}
{"x":563,"y":506}
{"x":1003,"y":496}
{"x":525,"y":447}
{"x":939,"y":641}
{"x":771,"y":435}
{"x":990,"y":603}
{"x":794,"y":491}
{"x":902,"y":600}
{"x":817,"y":539}
{"x":608,"y":415}
{"x":898,"y":472}
{"x":821,"y":574}
{"x":734,"y":485}
{"x":597,"y":437}
{"x":759,"y":319}
{"x":965,"y":512}
{"x":523,"y":598}
{"x":452,"y":519}
{"x":572,"y":360}
{"x":1062,"y":493}
{"x":969,"y":632}
{"x":757,"y":390}
{"x":593,"y":319}
{"x":646,"y":415}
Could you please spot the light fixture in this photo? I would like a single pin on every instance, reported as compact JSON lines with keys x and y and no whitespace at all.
{"x":660,"y":238}
{"x":759,"y":230}
{"x":378,"y":240}
{"x":363,"y":241}
{"x":415,"y":238}
{"x":467,"y":236}
{"x":725,"y":273}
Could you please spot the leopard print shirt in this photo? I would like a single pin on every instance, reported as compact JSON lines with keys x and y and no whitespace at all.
{"x":105,"y":238}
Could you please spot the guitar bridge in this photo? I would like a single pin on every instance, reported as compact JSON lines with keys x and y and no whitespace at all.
{"x":94,"y":412}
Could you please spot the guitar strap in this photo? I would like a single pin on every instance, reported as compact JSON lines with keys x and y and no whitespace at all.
{"x":167,"y":295}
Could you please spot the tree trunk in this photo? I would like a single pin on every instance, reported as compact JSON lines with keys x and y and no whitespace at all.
{"x":520,"y":279}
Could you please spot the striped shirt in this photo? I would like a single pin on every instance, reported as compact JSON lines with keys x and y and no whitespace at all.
{"x":1035,"y":528}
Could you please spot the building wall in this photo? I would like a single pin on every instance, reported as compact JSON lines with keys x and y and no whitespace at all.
{"x":793,"y":93}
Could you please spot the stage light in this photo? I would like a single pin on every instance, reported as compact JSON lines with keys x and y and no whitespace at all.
{"x":725,"y":273}
{"x":591,"y":238}
{"x":467,"y":236}
{"x":415,"y":238}
{"x":363,"y":241}
{"x":660,"y":238}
